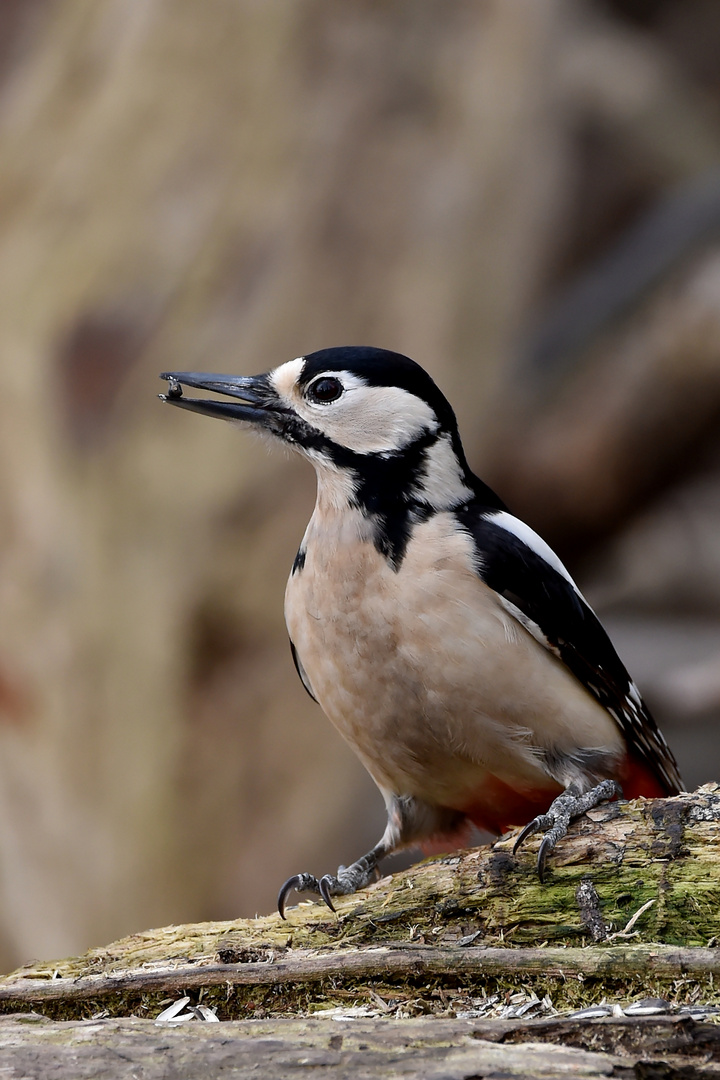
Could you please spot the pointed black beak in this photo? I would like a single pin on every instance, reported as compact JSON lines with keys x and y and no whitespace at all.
{"x":255,"y":398}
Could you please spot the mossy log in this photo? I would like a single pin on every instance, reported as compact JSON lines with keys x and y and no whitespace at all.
{"x":630,"y":907}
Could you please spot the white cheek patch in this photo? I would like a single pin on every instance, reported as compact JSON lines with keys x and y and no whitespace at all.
{"x":442,"y":485}
{"x":370,"y":419}
{"x":365,"y":419}
{"x":532,"y":540}
{"x":376,"y":419}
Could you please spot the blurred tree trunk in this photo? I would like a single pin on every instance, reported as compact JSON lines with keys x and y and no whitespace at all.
{"x":220,"y":187}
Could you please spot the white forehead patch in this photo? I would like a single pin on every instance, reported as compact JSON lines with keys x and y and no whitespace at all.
{"x":285,"y":377}
{"x":365,"y":419}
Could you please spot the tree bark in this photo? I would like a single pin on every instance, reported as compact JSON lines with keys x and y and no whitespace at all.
{"x":623,"y":930}
{"x":630,"y":906}
{"x":433,"y":1049}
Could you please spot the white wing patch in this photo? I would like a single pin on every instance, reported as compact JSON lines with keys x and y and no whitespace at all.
{"x":529,"y":537}
{"x":634,"y":695}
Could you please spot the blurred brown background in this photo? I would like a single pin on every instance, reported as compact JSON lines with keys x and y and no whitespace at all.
{"x":520,"y":194}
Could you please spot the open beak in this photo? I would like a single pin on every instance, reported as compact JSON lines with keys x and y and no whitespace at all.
{"x":255,"y":399}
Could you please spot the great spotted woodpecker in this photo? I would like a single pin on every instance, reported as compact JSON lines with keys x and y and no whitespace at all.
{"x":442,"y":637}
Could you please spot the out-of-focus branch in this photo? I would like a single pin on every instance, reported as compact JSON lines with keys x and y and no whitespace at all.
{"x":638,"y":402}
{"x":628,"y":84}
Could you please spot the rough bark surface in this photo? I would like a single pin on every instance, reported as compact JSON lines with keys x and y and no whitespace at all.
{"x":451,"y":1050}
{"x":456,"y":968}
{"x":630,"y":909}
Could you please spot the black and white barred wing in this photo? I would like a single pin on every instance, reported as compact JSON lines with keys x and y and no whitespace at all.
{"x":534,"y":586}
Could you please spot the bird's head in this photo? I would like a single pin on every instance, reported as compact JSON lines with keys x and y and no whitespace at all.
{"x":374,"y":416}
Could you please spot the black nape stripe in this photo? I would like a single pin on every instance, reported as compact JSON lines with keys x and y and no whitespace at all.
{"x":389,"y":490}
{"x":386,"y":492}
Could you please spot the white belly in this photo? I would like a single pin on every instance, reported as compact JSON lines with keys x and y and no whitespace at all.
{"x":429,"y":679}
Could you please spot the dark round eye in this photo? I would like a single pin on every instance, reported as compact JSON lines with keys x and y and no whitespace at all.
{"x":325,"y":390}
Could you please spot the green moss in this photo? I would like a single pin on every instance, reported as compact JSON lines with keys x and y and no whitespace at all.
{"x":665,"y":851}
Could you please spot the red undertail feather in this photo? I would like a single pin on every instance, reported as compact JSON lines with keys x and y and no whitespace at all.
{"x":638,"y":779}
{"x":500,"y":808}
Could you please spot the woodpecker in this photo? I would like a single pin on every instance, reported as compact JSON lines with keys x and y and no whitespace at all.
{"x":440,"y":634}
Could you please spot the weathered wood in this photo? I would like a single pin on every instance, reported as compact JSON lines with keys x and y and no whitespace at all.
{"x":429,"y":1048}
{"x":409,"y":962}
{"x":640,"y":880}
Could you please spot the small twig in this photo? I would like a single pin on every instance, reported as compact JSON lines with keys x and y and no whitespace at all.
{"x":626,"y":933}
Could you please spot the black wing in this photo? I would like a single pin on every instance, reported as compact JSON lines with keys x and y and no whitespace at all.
{"x":301,"y":670}
{"x":550,"y":607}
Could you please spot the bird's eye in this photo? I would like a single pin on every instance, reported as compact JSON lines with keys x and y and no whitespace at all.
{"x":325,"y":390}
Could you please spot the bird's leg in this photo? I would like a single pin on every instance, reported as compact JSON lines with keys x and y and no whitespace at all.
{"x":564,"y":809}
{"x":347,"y":880}
{"x":410,"y":821}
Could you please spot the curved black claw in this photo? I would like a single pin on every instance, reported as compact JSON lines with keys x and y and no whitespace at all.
{"x":530,"y":829}
{"x":348,"y":880}
{"x":545,"y":848}
{"x":300,"y":882}
{"x":324,"y":886}
{"x":564,"y":809}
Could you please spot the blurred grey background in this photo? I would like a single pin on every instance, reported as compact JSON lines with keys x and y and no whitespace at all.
{"x":523,"y":195}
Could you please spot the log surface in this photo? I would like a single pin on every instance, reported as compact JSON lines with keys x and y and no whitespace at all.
{"x":631,"y":908}
{"x":456,"y":968}
{"x":409,"y":962}
{"x":34,"y":1049}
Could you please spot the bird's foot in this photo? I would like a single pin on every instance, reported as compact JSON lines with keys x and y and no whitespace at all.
{"x":562,"y":811}
{"x":347,"y":880}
